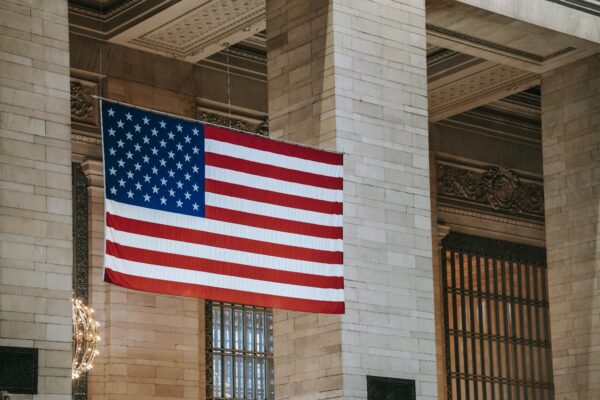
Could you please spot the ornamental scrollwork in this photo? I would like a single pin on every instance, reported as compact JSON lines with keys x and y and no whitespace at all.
{"x":496,"y":187}
{"x":83,"y":105}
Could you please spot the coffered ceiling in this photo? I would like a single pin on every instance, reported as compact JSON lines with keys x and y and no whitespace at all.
{"x":190,"y":30}
{"x":458,"y":82}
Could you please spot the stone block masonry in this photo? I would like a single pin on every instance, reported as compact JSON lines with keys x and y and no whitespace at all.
{"x":571,"y":155}
{"x":351,"y":76}
{"x":35,"y":188}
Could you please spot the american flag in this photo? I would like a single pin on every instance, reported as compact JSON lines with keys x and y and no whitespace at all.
{"x":197,"y":210}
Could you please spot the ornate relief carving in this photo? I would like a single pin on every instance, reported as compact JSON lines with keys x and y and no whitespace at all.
{"x":83,"y":105}
{"x":261,"y":129}
{"x":496,"y":187}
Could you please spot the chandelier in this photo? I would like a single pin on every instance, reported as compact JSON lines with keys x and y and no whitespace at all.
{"x":85,"y":338}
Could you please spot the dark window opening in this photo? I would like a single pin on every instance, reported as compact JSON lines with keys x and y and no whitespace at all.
{"x":380,"y":388}
{"x":18,"y":370}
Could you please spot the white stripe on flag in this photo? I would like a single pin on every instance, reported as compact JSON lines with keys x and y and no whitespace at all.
{"x":220,"y":281}
{"x":266,"y":157}
{"x":274,"y":185}
{"x":221,"y":254}
{"x":271,"y":210}
{"x":220,"y":227}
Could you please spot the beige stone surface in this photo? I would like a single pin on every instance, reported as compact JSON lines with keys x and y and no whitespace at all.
{"x":546,"y":14}
{"x":351,"y":76}
{"x":35,"y":188}
{"x":571,"y":153}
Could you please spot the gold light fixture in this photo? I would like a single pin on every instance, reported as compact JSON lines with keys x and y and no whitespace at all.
{"x":85,"y":338}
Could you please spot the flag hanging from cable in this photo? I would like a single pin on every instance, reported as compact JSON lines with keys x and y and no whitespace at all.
{"x":202,"y":211}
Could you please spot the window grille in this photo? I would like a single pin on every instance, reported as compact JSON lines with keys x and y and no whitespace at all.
{"x":239,"y":352}
{"x":19,"y":369}
{"x":497,"y":335}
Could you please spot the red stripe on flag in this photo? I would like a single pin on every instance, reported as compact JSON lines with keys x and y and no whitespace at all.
{"x":266,"y":144}
{"x":223,"y":241}
{"x":270,"y":197}
{"x":271,"y":171}
{"x":218,"y":294}
{"x":276,"y":224}
{"x":222,"y":268}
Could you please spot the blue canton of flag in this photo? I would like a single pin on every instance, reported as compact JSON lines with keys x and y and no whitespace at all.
{"x":153,"y":160}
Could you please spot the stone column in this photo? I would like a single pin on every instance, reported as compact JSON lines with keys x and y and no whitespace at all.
{"x":35,"y":188}
{"x":571,"y":155}
{"x":350,"y":75}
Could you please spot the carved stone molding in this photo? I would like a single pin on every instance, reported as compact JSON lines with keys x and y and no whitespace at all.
{"x":493,"y":188}
{"x":234,"y":123}
{"x":488,"y":217}
{"x":481,"y":87}
{"x":84,"y":107}
{"x":77,"y":137}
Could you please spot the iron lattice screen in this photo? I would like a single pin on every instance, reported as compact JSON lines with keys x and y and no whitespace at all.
{"x":497,"y":334}
{"x":379,"y":388}
{"x":239,"y":352}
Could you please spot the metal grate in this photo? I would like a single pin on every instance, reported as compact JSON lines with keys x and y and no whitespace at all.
{"x":18,"y":369}
{"x":380,"y":388}
{"x":239,"y":352}
{"x":495,"y":320}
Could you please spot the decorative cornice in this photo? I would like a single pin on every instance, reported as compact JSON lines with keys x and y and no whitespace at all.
{"x":494,"y":188}
{"x":233,"y":123}
{"x":490,"y":217}
{"x":85,"y":139}
{"x":496,"y":46}
{"x":491,"y":115}
{"x":475,"y":90}
{"x":101,"y":14}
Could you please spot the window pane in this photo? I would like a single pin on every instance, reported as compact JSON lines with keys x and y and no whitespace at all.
{"x":249,"y":331}
{"x":239,"y":377}
{"x":217,"y":371}
{"x":216,"y":327}
{"x":260,"y":379}
{"x":249,"y":378}
{"x":271,"y":379}
{"x":243,"y":362}
{"x":269,"y":332}
{"x":227,"y":328}
{"x":228,"y":376}
{"x":238,"y":329}
{"x":259,"y":327}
